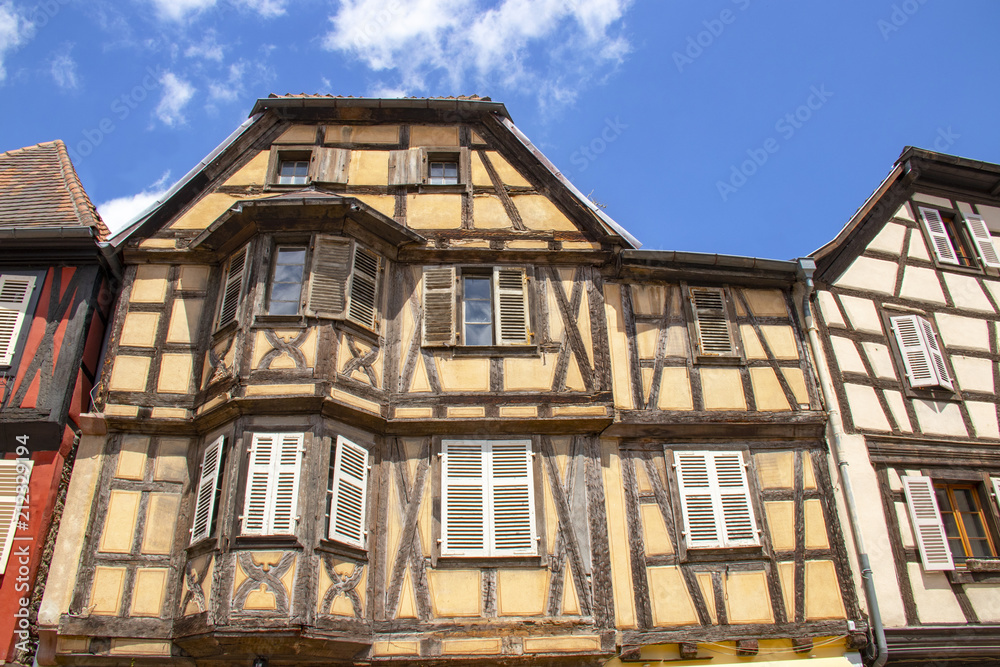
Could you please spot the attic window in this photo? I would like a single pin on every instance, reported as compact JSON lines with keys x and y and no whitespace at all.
{"x":293,"y":172}
{"x":443,"y":172}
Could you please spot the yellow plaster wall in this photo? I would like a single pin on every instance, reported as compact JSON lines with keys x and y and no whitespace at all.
{"x":433,"y":135}
{"x":175,"y":373}
{"x":139,"y":329}
{"x":106,"y":593}
{"x":816,"y":537}
{"x":656,"y":540}
{"x":119,"y":525}
{"x":185,"y":320}
{"x":766,"y":303}
{"x":528,"y":374}
{"x":129,"y":373}
{"x":253,"y":172}
{"x":161,"y":522}
{"x":149,"y":591}
{"x":384,"y":204}
{"x":434,"y":211}
{"x":150,"y":285}
{"x":455,"y":592}
{"x":488,"y":213}
{"x":822,"y":591}
{"x":767,"y":391}
{"x":298,"y":134}
{"x":747,"y":600}
{"x":132,"y":457}
{"x":675,"y":389}
{"x":369,"y":168}
{"x":522,"y":592}
{"x":207,"y":210}
{"x":618,"y":541}
{"x":776,"y":470}
{"x":797,"y":383}
{"x":568,"y":644}
{"x":671,"y":604}
{"x":539,"y":213}
{"x":722,"y":389}
{"x":139,"y":647}
{"x":508,"y":175}
{"x":362,"y":134}
{"x":470,"y":646}
{"x":781,"y":339}
{"x":781,"y":521}
{"x":463,"y":374}
{"x":480,"y":176}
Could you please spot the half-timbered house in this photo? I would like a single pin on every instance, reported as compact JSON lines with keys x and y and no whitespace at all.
{"x":908,"y":295}
{"x":55,"y":302}
{"x":383,"y":386}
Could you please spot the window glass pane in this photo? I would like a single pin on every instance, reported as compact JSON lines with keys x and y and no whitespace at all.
{"x":950,"y":525}
{"x":293,"y":172}
{"x":288,"y":273}
{"x":943,"y":500}
{"x":980,"y":549}
{"x":478,"y":334}
{"x":443,"y":173}
{"x":957,"y":549}
{"x":284,"y":308}
{"x":477,"y":311}
{"x":292,"y":256}
{"x":286,"y":284}
{"x":477,"y":288}
{"x":974,"y":525}
{"x":964,"y":501}
{"x":285,"y":292}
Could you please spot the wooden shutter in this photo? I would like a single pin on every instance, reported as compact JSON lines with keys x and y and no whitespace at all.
{"x":510,"y":302}
{"x":286,"y":483}
{"x":349,"y":493}
{"x":938,"y":234}
{"x":981,"y":236}
{"x":511,"y":498}
{"x":711,"y":321}
{"x":14,"y":478}
{"x":701,"y":525}
{"x":923,"y":360}
{"x":927,"y":525}
{"x":996,"y":489}
{"x":439,"y":305}
{"x":272,"y":484}
{"x":331,"y":265}
{"x":364,"y":288}
{"x":715,"y":500}
{"x":232,"y":286}
{"x":329,"y":165}
{"x":15,"y":293}
{"x":204,"y":507}
{"x":738,"y":523}
{"x":405,"y":167}
{"x":464,"y":498}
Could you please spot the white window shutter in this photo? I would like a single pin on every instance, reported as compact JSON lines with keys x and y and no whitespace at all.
{"x":981,"y":236}
{"x":739,"y":526}
{"x":512,"y":498}
{"x":464,"y":498}
{"x":439,"y":305}
{"x":711,"y":321}
{"x":331,"y":265}
{"x":940,"y":241}
{"x":996,"y":489}
{"x":923,"y":360}
{"x":511,"y":306}
{"x":937,"y":357}
{"x":285,"y":486}
{"x":232,"y":286}
{"x":15,"y":293}
{"x":257,"y":504}
{"x":927,"y":525}
{"x":204,"y":506}
{"x":364,"y":288}
{"x":698,"y":489}
{"x":350,"y":491}
{"x":11,"y":501}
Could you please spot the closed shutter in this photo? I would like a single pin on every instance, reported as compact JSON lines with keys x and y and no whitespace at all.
{"x":439,"y":305}
{"x":349,"y":493}
{"x":512,"y":498}
{"x":14,"y":478}
{"x":405,"y":167}
{"x":364,"y":288}
{"x":232,"y":287}
{"x":922,"y":357}
{"x":711,"y":322}
{"x":511,"y":306}
{"x":938,"y":233}
{"x":15,"y":293}
{"x":204,"y":507}
{"x":272,"y":484}
{"x":996,"y":489}
{"x":330,"y":165}
{"x":286,"y":483}
{"x":331,"y":265}
{"x":927,"y":525}
{"x":734,"y":498}
{"x":715,"y":500}
{"x":981,"y":236}
{"x":464,"y":498}
{"x":701,"y":526}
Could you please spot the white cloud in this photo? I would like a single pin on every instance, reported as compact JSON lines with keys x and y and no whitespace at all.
{"x":382,"y":90}
{"x":15,"y":31}
{"x":179,"y":10}
{"x":229,"y":90}
{"x":176,"y":94}
{"x":119,"y":212}
{"x":266,"y":8}
{"x":208,"y":49}
{"x":550,"y":46}
{"x":64,"y":71}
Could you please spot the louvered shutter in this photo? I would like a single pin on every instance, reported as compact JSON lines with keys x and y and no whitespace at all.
{"x":232,"y":287}
{"x":331,"y":265}
{"x":927,"y":525}
{"x":464,"y":498}
{"x":711,"y":322}
{"x":981,"y":236}
{"x":512,"y":498}
{"x":439,"y":305}
{"x":256,"y":504}
{"x":15,"y":293}
{"x":329,"y":165}
{"x":922,"y":357}
{"x":738,"y":523}
{"x":511,"y":306}
{"x":286,"y":484}
{"x":701,"y":525}
{"x":272,"y":484}
{"x":405,"y":167}
{"x":349,"y":493}
{"x":715,"y":500}
{"x":938,"y":233}
{"x":13,"y":493}
{"x":996,"y":489}
{"x":204,"y":507}
{"x":364,"y":288}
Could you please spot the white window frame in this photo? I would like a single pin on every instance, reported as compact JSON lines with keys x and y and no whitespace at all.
{"x":923,"y":359}
{"x":13,"y":312}
{"x":15,"y":476}
{"x":208,"y":482}
{"x":348,"y":521}
{"x":716,"y":505}
{"x":271,"y":495}
{"x":502,"y":476}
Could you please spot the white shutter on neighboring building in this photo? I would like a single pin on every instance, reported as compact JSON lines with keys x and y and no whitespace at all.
{"x":204,"y":507}
{"x":272,"y":484}
{"x":15,"y":293}
{"x":923,"y":359}
{"x":349,"y":493}
{"x":711,"y":321}
{"x":981,"y":236}
{"x":715,"y":499}
{"x":938,"y":234}
{"x":232,"y":286}
{"x":439,"y":305}
{"x":927,"y":525}
{"x":13,"y":493}
{"x":364,"y":288}
{"x":511,"y":306}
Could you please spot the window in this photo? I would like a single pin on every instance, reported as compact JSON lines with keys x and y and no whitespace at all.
{"x":436,"y":166}
{"x":713,"y":334}
{"x":441,"y":172}
{"x":14,"y":478}
{"x":487,"y":499}
{"x":348,"y":493}
{"x":957,"y":243}
{"x":715,"y":499}
{"x":948,"y":522}
{"x":272,"y":484}
{"x":286,"y":283}
{"x":345,"y":281}
{"x":233,"y":285}
{"x":15,"y":295}
{"x":923,"y":360}
{"x":492,"y":310}
{"x":293,"y":172}
{"x":208,"y":491}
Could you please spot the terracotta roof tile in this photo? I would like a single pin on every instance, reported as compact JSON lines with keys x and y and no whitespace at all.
{"x":39,"y":187}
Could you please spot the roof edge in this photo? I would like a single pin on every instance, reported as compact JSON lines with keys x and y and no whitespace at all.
{"x":481,"y":105}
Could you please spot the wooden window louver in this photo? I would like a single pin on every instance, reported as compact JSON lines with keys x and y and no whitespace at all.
{"x":981,"y":236}
{"x":208,"y":481}
{"x":712,"y":322}
{"x":14,"y":478}
{"x":923,"y":360}
{"x":928,"y":528}
{"x":15,"y":293}
{"x":344,"y":282}
{"x":938,"y":233}
{"x":364,"y":288}
{"x":511,"y":306}
{"x":439,"y":305}
{"x":272,"y":484}
{"x":349,"y":493}
{"x":715,"y":500}
{"x":232,"y":286}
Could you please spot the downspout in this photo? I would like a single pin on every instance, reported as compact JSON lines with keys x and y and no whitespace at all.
{"x":806,"y":268}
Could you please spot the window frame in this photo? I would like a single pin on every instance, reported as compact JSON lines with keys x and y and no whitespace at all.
{"x":976,"y":491}
{"x":960,"y":234}
{"x":736,"y":354}
{"x":458,"y":155}
{"x":936,"y":391}
{"x":289,"y":153}
{"x":306,"y":247}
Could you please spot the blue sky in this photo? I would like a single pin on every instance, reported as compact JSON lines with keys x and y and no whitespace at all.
{"x":731,"y":126}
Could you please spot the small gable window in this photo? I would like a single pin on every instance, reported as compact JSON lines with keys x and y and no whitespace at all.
{"x":959,"y":239}
{"x":293,"y":172}
{"x":443,"y":172}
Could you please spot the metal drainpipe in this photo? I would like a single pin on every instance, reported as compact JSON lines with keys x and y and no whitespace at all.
{"x":806,"y":268}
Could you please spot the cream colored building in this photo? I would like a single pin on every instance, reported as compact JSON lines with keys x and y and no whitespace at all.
{"x":384,"y":387}
{"x":908,"y":295}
